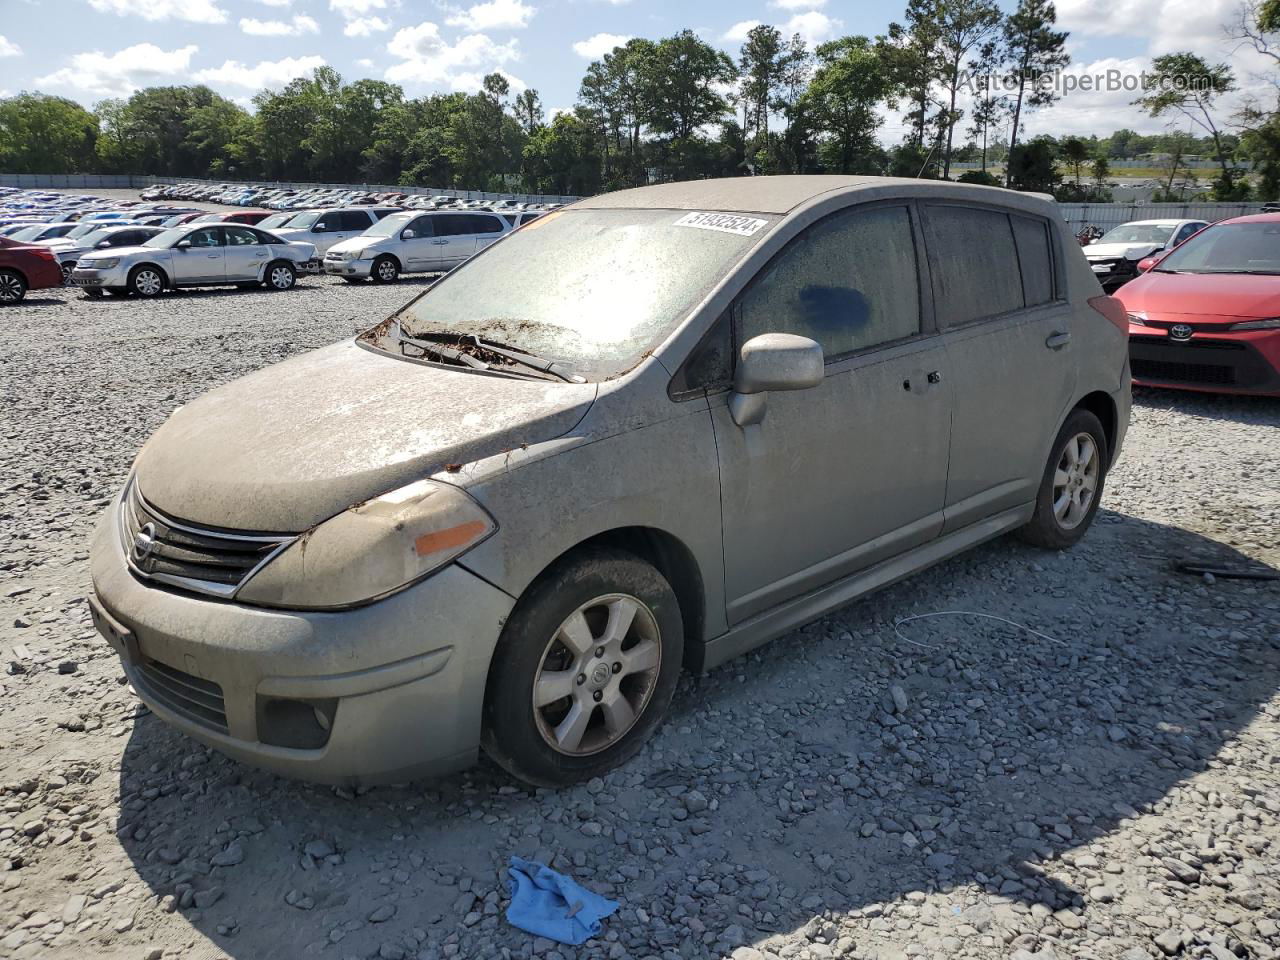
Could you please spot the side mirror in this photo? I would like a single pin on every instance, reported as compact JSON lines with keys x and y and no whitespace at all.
{"x":182,"y":244}
{"x":318,"y":228}
{"x":407,"y":234}
{"x":1146,"y":263}
{"x":772,"y":361}
{"x":102,"y":244}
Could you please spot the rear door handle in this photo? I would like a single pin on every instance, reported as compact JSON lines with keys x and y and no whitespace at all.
{"x":1056,"y":341}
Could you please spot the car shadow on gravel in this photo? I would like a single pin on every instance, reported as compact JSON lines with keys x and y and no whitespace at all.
{"x":849,"y":764}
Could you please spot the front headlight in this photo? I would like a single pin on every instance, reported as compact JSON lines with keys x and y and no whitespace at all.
{"x":373,"y":549}
{"x":106,"y":263}
{"x":1138,"y":316}
{"x":1271,"y":324}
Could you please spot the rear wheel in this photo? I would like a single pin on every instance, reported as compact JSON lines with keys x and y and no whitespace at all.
{"x":12,"y":287}
{"x":1071,"y":487}
{"x":66,"y":272}
{"x":146,"y":281}
{"x":385,"y":270}
{"x":584,"y":669}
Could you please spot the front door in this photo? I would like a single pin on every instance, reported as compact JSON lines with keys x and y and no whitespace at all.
{"x":418,"y":250}
{"x":1009,"y":352}
{"x":202,"y":261}
{"x":852,"y":472}
{"x":245,"y":253}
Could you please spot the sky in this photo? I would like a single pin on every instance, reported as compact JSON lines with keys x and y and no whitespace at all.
{"x":91,"y":49}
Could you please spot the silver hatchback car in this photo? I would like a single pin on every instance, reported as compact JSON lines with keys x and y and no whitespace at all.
{"x":643,"y":434}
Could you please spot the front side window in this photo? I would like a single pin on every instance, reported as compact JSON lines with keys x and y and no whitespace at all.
{"x":421,"y":227}
{"x":208,"y":237}
{"x":849,"y":282}
{"x":973,"y":262}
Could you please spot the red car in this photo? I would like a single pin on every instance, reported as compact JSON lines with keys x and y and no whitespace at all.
{"x":1206,"y":315}
{"x":26,"y":266}
{"x":236,"y":216}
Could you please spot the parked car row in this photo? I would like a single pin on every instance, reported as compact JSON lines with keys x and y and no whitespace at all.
{"x":313,"y":198}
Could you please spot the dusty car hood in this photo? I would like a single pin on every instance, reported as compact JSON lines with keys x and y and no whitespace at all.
{"x":289,"y":446}
{"x":1204,"y":294}
{"x":1109,"y":251}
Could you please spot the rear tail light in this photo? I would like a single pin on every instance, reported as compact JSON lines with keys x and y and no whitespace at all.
{"x":1113,"y":310}
{"x":43,"y":253}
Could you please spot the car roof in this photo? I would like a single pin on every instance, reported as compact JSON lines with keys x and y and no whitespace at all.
{"x":1256,"y":218}
{"x":1157,"y":223}
{"x":782,"y":194}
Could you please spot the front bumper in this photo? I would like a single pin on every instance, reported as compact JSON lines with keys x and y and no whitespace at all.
{"x":1209,"y":361}
{"x":83,"y":276}
{"x":348,"y":268}
{"x":401,"y":681}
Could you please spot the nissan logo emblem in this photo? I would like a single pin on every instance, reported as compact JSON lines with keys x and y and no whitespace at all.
{"x":144,"y":541}
{"x":1180,"y":331}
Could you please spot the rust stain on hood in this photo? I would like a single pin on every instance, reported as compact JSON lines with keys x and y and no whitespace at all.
{"x":289,"y":446}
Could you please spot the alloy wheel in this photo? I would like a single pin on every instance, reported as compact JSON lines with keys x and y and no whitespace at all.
{"x":386,"y":271}
{"x":1075,"y":480}
{"x":10,"y":288}
{"x":597,"y":675}
{"x":148,"y":283}
{"x":282,"y":278}
{"x":66,"y":272}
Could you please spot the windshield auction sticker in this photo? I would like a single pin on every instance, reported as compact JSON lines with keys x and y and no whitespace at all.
{"x":722,"y":222}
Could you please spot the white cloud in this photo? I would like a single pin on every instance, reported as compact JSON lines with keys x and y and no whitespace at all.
{"x":267,"y":73}
{"x":593,"y":48}
{"x":366,"y":26}
{"x":192,"y":11}
{"x":350,"y":9}
{"x":798,"y":4}
{"x":121,"y":73}
{"x":428,"y":59}
{"x":1163,"y":25}
{"x":275,"y":3}
{"x":738,"y":32}
{"x":278,"y":28}
{"x":493,"y":15}
{"x":365,"y":63}
{"x":813,"y":26}
{"x":8,"y":48}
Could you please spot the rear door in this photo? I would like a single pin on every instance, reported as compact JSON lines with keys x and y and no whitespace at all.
{"x":488,"y":227}
{"x":454,"y":241}
{"x":245,"y":253}
{"x":203,"y":261}
{"x":1006,"y":326}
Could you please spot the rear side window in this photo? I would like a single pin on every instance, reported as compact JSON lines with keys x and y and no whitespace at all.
{"x":354,"y":220}
{"x":241,"y":237}
{"x":510,"y":218}
{"x":849,"y":282}
{"x":1034,"y":258}
{"x":453,"y":226}
{"x":485,"y":223}
{"x":973,"y":262}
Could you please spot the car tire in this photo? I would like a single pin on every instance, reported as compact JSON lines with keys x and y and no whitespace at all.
{"x":281,"y":275}
{"x":146,"y":281}
{"x":66,"y":273}
{"x":385,"y":270}
{"x":12,"y":287}
{"x":553,"y":643}
{"x":1071,"y":487}
{"x":116,"y":291}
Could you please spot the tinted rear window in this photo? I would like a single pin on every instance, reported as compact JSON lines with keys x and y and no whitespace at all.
{"x":973,"y":262}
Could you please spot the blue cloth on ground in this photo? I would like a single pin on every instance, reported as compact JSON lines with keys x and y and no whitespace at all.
{"x":549,"y":904}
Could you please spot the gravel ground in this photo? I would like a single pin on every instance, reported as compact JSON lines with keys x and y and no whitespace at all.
{"x":957,"y":787}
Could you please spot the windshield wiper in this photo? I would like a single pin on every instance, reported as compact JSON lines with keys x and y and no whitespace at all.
{"x":437,"y":343}
{"x":553,"y":367}
{"x":441,"y":350}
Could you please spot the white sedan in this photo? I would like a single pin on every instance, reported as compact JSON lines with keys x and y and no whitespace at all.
{"x":196,"y":255}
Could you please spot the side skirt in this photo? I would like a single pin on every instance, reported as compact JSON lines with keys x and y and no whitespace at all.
{"x":787,"y":616}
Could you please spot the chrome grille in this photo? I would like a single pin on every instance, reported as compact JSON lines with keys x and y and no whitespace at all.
{"x":200,"y":559}
{"x":197,"y":699}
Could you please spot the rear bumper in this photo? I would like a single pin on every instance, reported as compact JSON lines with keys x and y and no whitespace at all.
{"x":311,"y":266}
{"x":401,"y":681}
{"x":42,"y":274}
{"x":1247,"y":363}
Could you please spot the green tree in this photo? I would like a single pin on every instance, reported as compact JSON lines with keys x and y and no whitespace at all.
{"x":563,"y":157}
{"x":44,"y":134}
{"x":618,"y":93}
{"x":851,"y":81}
{"x":914,"y":51}
{"x":682,"y":95}
{"x":1186,"y":84}
{"x":528,"y":111}
{"x":1033,"y":49}
{"x":1075,"y":151}
{"x":760,"y":65}
{"x":964,"y":27}
{"x":1034,"y":165}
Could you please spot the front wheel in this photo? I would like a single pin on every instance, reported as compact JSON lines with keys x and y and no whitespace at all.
{"x":281,"y":276}
{"x":1071,"y":487}
{"x":66,"y":273}
{"x":385,"y":270}
{"x":584,"y":670}
{"x":12,"y":287}
{"x":146,"y":281}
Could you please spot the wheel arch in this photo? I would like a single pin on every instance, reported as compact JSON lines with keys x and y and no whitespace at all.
{"x":390,"y":256}
{"x":671,"y":557}
{"x":1102,"y":406}
{"x":164,"y":274}
{"x":9,"y":268}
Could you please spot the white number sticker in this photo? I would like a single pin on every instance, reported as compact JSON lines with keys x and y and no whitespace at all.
{"x":722,"y":222}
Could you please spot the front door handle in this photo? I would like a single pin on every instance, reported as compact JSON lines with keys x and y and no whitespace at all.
{"x":1056,"y":341}
{"x":439,"y":242}
{"x":935,"y":377}
{"x":214,"y":256}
